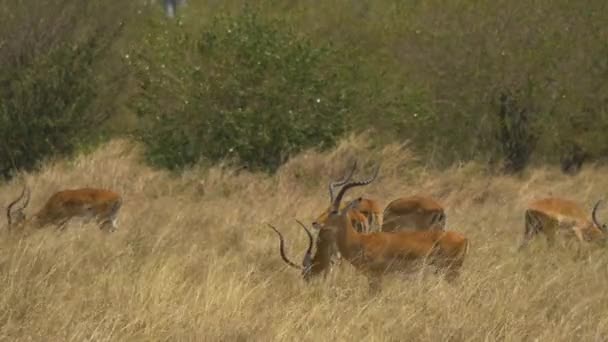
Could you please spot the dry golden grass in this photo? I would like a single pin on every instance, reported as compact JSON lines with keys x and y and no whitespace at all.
{"x":194,"y":261}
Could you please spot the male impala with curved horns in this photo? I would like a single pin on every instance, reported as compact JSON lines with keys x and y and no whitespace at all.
{"x":87,"y":203}
{"x":553,"y":215}
{"x":320,"y":263}
{"x":413,"y":212}
{"x":364,"y":214}
{"x":377,"y":253}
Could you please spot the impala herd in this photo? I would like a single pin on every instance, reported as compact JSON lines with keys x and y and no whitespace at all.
{"x":409,"y":232}
{"x":412,"y":231}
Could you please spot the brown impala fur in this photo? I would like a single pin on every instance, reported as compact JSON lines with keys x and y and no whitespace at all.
{"x":365,"y":214}
{"x":413,"y":212}
{"x":361,"y":218}
{"x":379,"y":252}
{"x":64,"y":205}
{"x":553,"y":215}
{"x":312,"y":266}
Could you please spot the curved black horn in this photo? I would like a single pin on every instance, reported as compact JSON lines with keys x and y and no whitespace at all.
{"x":336,"y":204}
{"x":307,"y":261}
{"x":341,"y":182}
{"x":594,"y":214}
{"x":282,"y":249}
{"x":10,"y":206}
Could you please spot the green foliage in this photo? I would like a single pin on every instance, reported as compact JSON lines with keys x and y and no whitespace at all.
{"x":49,"y":91}
{"x":42,"y":106}
{"x":504,"y":82}
{"x":546,"y":59}
{"x":243,"y":87}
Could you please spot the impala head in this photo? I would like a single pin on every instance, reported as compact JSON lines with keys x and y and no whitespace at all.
{"x":335,"y":214}
{"x":306,"y":261}
{"x":17,"y":216}
{"x":320,"y":221}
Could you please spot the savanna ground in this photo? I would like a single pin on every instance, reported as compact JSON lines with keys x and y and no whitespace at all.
{"x":193,"y":258}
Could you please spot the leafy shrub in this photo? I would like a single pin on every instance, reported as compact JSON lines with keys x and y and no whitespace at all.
{"x":511,"y":80}
{"x":49,"y":85}
{"x":242,"y":87}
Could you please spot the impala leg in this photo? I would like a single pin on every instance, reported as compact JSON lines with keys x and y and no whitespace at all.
{"x":582,"y":243}
{"x":532,"y":227}
{"x":453,"y":271}
{"x":359,"y":227}
{"x":550,"y":234}
{"x":109,"y":224}
{"x":103,"y":224}
{"x":378,"y":221}
{"x":115,"y":223}
{"x":443,"y":221}
{"x":62,"y":224}
{"x":338,"y":260}
{"x":113,"y":217}
{"x":326,"y":272}
{"x":437,"y":222}
{"x":375,"y":283}
{"x":451,"y":275}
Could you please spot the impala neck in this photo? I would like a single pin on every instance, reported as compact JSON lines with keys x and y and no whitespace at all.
{"x":323,"y":251}
{"x":347,"y":238}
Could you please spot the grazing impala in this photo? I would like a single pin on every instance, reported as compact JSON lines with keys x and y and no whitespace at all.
{"x":379,"y":252}
{"x":414,"y":212}
{"x":312,"y":266}
{"x":62,"y":206}
{"x":553,"y":215}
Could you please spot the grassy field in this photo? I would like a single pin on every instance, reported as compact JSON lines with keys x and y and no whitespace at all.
{"x":193,"y":259}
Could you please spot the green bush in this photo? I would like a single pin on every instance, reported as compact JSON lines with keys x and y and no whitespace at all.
{"x":242,"y":87}
{"x":510,"y":81}
{"x":41,"y":108}
{"x":49,"y":91}
{"x":504,"y":82}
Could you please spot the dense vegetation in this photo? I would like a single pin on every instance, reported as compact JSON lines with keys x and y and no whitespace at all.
{"x":507,"y":83}
{"x":58,"y":77}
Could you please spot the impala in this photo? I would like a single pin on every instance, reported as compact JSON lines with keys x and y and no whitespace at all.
{"x":380,"y":252}
{"x":553,"y":215}
{"x":413,"y":212}
{"x":87,"y":203}
{"x":311,"y":265}
{"x":364,"y":214}
{"x":320,"y":263}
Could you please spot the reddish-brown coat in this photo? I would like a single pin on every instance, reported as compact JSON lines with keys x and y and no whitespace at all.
{"x":413,"y":212}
